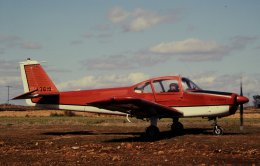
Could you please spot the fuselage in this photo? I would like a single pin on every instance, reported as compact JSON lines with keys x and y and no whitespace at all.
{"x":191,"y":102}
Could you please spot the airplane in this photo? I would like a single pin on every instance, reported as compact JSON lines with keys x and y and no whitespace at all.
{"x":172,"y":97}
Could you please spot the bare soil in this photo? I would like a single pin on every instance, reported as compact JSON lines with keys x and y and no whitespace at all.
{"x":34,"y":140}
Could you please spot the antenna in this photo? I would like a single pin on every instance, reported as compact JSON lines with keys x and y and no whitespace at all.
{"x":8,"y":93}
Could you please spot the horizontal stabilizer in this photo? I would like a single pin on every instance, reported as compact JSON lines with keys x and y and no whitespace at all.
{"x":33,"y":94}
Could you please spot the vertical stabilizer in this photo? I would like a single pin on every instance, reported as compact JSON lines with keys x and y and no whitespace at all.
{"x":36,"y":79}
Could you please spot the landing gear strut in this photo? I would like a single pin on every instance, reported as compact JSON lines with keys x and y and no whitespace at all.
{"x":217,"y":130}
{"x":176,"y":127}
{"x":152,"y":131}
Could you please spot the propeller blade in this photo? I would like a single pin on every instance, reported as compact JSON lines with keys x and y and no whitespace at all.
{"x":241,"y":117}
{"x":241,"y":89}
{"x":241,"y":108}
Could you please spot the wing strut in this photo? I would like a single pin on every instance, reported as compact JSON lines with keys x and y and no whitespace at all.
{"x":127,"y":118}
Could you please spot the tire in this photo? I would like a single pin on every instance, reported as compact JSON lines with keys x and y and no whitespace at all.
{"x":177,"y":128}
{"x":152,"y":132}
{"x":217,"y":130}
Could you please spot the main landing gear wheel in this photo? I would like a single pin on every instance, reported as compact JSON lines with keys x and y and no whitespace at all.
{"x":152,"y":132}
{"x":177,"y":127}
{"x":217,"y":130}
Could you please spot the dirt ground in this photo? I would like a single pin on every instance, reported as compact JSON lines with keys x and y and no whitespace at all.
{"x":57,"y":140}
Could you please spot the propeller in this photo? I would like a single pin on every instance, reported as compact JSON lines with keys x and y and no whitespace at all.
{"x":241,"y":108}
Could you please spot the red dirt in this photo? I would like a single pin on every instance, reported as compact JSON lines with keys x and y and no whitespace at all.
{"x":124,"y":144}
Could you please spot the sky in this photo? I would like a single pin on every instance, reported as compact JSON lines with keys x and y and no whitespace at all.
{"x":95,"y":44}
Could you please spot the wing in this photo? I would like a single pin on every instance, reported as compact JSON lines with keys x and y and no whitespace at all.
{"x":137,"y":107}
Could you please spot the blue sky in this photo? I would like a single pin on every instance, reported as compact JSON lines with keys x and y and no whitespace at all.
{"x":92,"y":44}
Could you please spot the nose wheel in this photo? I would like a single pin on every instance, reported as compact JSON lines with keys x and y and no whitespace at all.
{"x":217,"y":130}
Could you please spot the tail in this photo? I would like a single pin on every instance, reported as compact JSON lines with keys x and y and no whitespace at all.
{"x":36,"y":82}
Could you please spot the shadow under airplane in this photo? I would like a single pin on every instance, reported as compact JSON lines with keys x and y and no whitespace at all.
{"x":138,"y":136}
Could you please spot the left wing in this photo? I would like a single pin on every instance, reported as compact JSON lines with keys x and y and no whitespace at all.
{"x":138,"y":107}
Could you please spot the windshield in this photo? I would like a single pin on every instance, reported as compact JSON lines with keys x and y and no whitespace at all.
{"x":189,"y":85}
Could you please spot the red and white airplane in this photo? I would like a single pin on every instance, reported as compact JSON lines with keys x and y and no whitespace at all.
{"x":163,"y":97}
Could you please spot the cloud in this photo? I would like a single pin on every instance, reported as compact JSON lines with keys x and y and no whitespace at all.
{"x":117,"y":15}
{"x":210,"y":80}
{"x":103,"y":27}
{"x":10,"y":80}
{"x":241,"y":42}
{"x":8,"y":38}
{"x":138,"y":19}
{"x":9,"y":76}
{"x":123,"y":61}
{"x":228,"y":82}
{"x":88,"y":35}
{"x":189,"y":50}
{"x":31,"y":45}
{"x":100,"y":36}
{"x":112,"y":62}
{"x":2,"y":50}
{"x":188,"y":46}
{"x":143,"y":19}
{"x":9,"y":42}
{"x":101,"y":81}
{"x":9,"y":68}
{"x":199,"y":50}
{"x":257,"y":47}
{"x":192,"y":50}
{"x":15,"y":89}
{"x":56,"y":70}
{"x":76,"y":42}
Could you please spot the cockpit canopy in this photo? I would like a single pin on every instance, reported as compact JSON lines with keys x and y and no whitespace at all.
{"x":166,"y":84}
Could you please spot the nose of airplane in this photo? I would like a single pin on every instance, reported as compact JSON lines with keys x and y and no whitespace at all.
{"x":242,"y":99}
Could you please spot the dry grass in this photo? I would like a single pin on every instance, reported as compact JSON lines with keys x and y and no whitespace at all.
{"x":21,"y":111}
